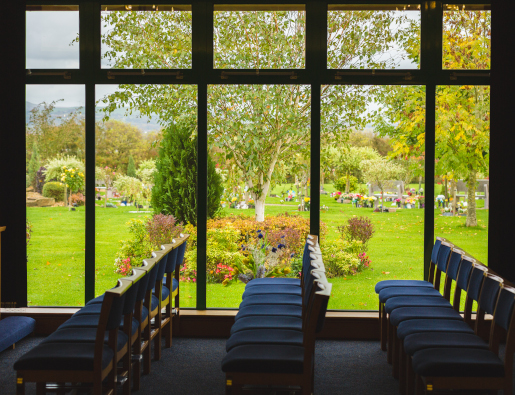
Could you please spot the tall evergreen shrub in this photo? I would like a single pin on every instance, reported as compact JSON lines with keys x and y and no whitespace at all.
{"x":33,"y":165}
{"x":175,"y":187}
{"x":131,"y":167}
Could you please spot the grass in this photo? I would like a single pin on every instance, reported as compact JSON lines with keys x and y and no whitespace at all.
{"x":56,"y":251}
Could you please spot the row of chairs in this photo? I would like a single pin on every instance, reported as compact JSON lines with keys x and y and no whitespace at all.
{"x":430,"y":344}
{"x":104,"y":344}
{"x":272,"y":340}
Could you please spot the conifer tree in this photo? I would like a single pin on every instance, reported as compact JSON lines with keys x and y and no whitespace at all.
{"x":131,"y":167}
{"x":33,"y":165}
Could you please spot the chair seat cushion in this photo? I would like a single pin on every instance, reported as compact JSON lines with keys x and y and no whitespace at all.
{"x":265,"y":336}
{"x":273,"y":281}
{"x":414,"y":301}
{"x":165,"y":292}
{"x":273,"y":289}
{"x":401,"y":283}
{"x":175,"y":284}
{"x":457,"y":362}
{"x":81,"y":321}
{"x":421,"y":341}
{"x":83,"y":335}
{"x":408,"y":327}
{"x":390,"y":292}
{"x":293,"y":300}
{"x":269,"y":310}
{"x":409,"y":313}
{"x":260,"y":322}
{"x":98,"y":299}
{"x":13,"y":329}
{"x":93,"y":308}
{"x":265,"y":359}
{"x":63,"y":356}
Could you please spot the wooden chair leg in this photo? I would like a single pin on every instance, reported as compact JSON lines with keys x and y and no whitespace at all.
{"x":20,"y":385}
{"x":389,"y":350}
{"x":410,"y":377}
{"x":395,"y":353}
{"x":419,"y":386}
{"x":157,"y":343}
{"x":136,"y":376}
{"x":383,"y":325}
{"x":402,"y":369}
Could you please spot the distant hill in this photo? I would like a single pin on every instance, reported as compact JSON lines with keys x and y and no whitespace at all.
{"x":135,"y":119}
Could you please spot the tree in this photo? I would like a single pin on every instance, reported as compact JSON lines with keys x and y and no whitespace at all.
{"x":33,"y":165}
{"x":73,"y":179}
{"x":175,"y":180}
{"x":146,"y":171}
{"x":130,"y":187}
{"x":382,"y":172}
{"x":131,"y":167}
{"x":107,"y":175}
{"x":463,"y":112}
{"x":350,"y":159}
{"x":256,"y":126}
{"x":117,"y":142}
{"x":56,"y":135}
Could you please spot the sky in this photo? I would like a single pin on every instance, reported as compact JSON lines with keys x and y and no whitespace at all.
{"x":49,"y":45}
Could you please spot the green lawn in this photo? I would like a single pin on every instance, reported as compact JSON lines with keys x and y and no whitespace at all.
{"x":56,"y":251}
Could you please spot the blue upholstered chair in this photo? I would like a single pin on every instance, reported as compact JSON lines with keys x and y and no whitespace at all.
{"x":423,"y":340}
{"x":282,"y":364}
{"x":442,"y":259}
{"x":472,"y":368}
{"x":79,"y":362}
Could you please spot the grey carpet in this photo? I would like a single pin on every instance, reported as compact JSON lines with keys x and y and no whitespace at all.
{"x":192,"y":366}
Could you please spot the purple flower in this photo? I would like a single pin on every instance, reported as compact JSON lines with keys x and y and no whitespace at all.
{"x":263,"y":246}
{"x":292,"y":254}
{"x":283,"y":236}
{"x":274,"y":249}
{"x":260,"y":236}
{"x":259,"y":230}
{"x":280,"y":246}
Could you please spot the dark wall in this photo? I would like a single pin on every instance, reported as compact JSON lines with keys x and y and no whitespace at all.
{"x":501,"y":242}
{"x":12,"y":151}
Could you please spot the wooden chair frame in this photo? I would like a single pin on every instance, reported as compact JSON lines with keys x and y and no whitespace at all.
{"x":434,"y":278}
{"x":426,"y":385}
{"x":97,"y":375}
{"x":236,"y":380}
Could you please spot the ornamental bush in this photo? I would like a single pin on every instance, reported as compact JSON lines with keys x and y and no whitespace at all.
{"x":54,"y":190}
{"x":357,"y":228}
{"x":341,"y":184}
{"x":175,"y":180}
{"x":342,"y":258}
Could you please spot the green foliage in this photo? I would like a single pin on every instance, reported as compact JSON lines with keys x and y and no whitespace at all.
{"x":133,"y":251}
{"x":341,"y":257}
{"x":131,"y":167}
{"x":341,"y":184}
{"x":54,"y":166}
{"x":54,"y":190}
{"x":73,"y":178}
{"x":129,"y":187}
{"x":33,"y":166}
{"x":146,"y":171}
{"x":175,"y":184}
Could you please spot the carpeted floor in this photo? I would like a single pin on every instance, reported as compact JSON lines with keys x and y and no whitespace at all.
{"x":192,"y":366}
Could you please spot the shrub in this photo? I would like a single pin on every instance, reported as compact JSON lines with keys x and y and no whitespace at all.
{"x":341,"y":258}
{"x":162,"y":229}
{"x":54,"y":190}
{"x":357,"y":228}
{"x":78,"y":198}
{"x":341,"y":184}
{"x":175,"y":186}
{"x":147,"y":235}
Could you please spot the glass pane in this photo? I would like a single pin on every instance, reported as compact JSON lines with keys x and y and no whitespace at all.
{"x":146,"y":37}
{"x":372,"y":167}
{"x":259,"y":145}
{"x":373,"y":39}
{"x":135,"y":143}
{"x":52,"y":35}
{"x":462,"y":167}
{"x":467,"y":37}
{"x":55,"y":153}
{"x":259,"y":39}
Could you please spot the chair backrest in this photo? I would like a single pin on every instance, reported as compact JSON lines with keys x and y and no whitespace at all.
{"x":436,"y":248}
{"x":504,"y":319}
{"x":462,"y":280}
{"x":144,"y":281}
{"x":162,"y":259}
{"x":489,"y":292}
{"x":153,"y":263}
{"x":171,"y":250}
{"x":476,"y":281}
{"x":180,"y":253}
{"x":443,"y":256}
{"x":115,"y":297}
{"x":132,"y":293}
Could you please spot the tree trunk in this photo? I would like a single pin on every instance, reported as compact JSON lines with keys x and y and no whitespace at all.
{"x":453,"y":195}
{"x":471,"y":199}
{"x":105,"y":201}
{"x":347,"y":186}
{"x":260,"y":208}
{"x":419,"y":182}
{"x":446,"y":192}
{"x":322,"y":180}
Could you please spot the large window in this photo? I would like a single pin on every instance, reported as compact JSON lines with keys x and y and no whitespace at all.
{"x":253,"y":125}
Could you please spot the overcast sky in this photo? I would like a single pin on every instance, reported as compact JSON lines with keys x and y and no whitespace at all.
{"x":49,"y":45}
